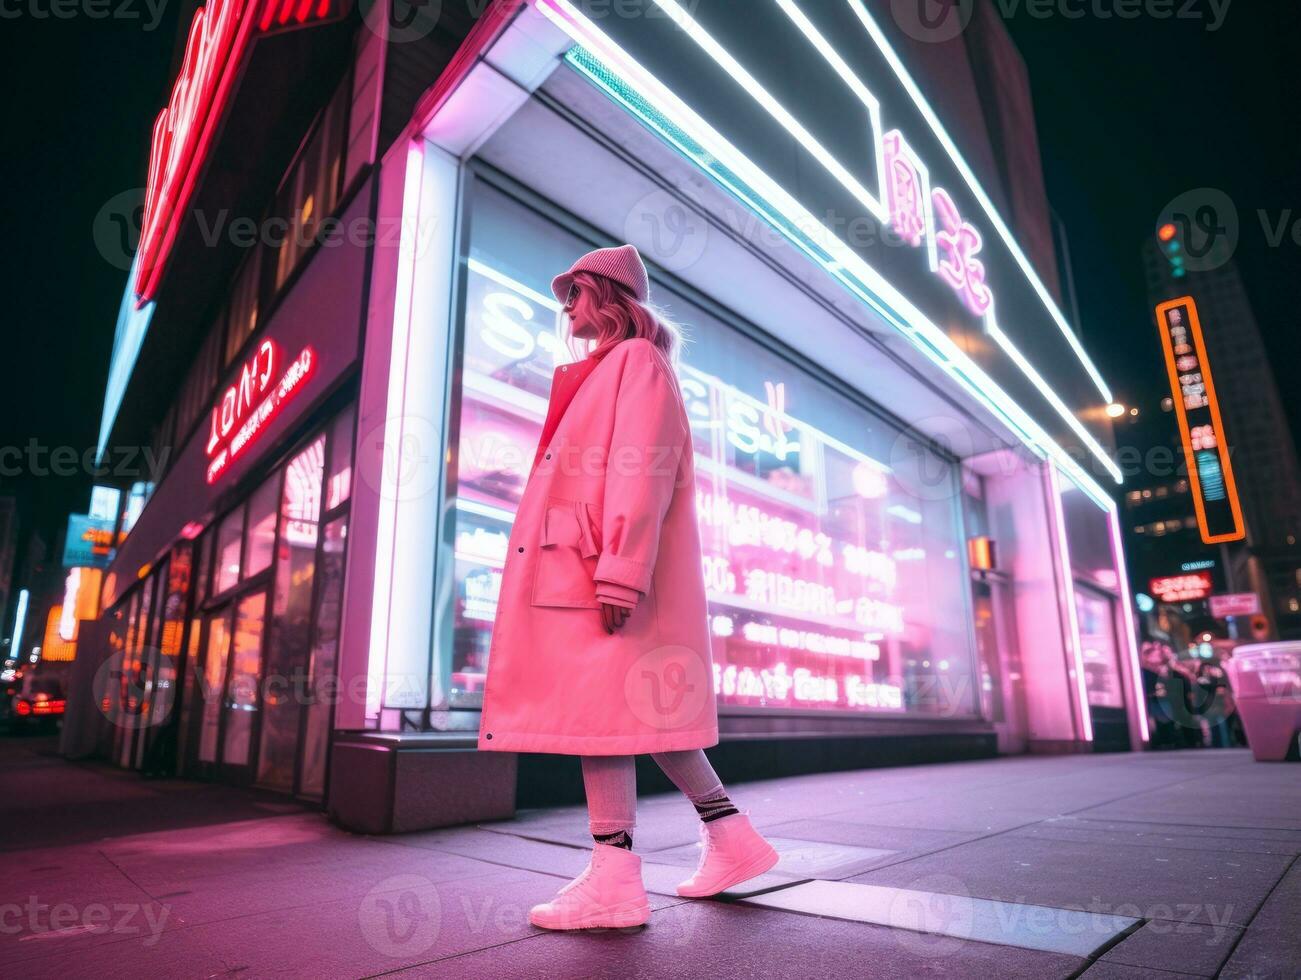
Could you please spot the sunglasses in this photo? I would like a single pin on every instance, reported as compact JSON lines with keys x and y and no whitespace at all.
{"x":572,"y":298}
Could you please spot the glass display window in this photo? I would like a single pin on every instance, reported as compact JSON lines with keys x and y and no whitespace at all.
{"x":832,"y":540}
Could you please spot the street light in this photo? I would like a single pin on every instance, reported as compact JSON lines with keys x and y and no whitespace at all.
{"x":1115,"y":410}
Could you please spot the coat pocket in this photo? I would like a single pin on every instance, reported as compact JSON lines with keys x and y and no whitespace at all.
{"x":567,"y":552}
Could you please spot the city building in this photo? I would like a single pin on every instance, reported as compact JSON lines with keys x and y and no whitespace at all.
{"x":1259,"y":553}
{"x":911,"y":546}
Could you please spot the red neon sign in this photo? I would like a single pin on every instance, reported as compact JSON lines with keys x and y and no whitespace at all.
{"x":220,"y":34}
{"x":248,"y":406}
{"x":1192,"y":587}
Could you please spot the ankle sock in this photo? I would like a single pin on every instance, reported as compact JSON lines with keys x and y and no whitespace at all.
{"x":620,"y":838}
{"x":715,"y":808}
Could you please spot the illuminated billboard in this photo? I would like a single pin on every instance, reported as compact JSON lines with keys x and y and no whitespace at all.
{"x":1210,"y":471}
{"x":89,"y":543}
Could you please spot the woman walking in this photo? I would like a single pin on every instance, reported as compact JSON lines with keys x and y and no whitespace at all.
{"x":601,"y":642}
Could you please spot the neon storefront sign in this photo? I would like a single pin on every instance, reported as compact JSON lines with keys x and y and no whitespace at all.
{"x":183,"y":133}
{"x":246,"y":408}
{"x":677,"y":94}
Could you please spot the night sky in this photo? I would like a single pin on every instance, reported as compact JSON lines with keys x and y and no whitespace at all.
{"x":1131,"y":113}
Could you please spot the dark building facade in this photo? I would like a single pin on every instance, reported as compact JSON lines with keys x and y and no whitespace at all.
{"x":1266,"y":559}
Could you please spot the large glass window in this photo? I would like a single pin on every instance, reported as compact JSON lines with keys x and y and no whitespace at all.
{"x":287,"y":661}
{"x":832,"y":540}
{"x":242,"y":686}
{"x":230,"y":536}
{"x":262,"y":527}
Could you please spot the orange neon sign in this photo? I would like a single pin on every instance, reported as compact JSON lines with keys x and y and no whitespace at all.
{"x":1210,"y":470}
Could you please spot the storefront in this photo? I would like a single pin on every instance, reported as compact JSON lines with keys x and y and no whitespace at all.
{"x":910,"y":547}
{"x":861,"y":415}
{"x":218,"y":646}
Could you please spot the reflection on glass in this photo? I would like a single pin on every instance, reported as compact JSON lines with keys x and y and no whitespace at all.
{"x":287,"y":663}
{"x":176,"y":587}
{"x":339,"y":481}
{"x":229,"y":535}
{"x":242,"y":687}
{"x":261,"y":527}
{"x":325,"y":651}
{"x":831,"y":540}
{"x":214,"y":677}
{"x":1098,"y":648}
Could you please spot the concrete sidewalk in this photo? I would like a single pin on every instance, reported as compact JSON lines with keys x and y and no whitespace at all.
{"x":1111,"y":866}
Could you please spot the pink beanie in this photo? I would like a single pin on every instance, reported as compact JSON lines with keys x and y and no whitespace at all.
{"x":622,"y":264}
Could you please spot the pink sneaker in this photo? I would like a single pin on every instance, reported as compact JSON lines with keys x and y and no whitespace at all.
{"x":609,"y":894}
{"x":734,"y":852}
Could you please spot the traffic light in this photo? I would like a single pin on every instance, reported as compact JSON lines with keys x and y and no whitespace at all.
{"x":1168,"y":236}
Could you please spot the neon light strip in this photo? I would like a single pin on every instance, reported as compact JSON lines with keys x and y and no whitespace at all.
{"x":488,"y":272}
{"x":1127,"y":609}
{"x":774,"y":108}
{"x":20,"y":624}
{"x":995,"y":331}
{"x":386,"y":529}
{"x":657,"y":107}
{"x":743,"y":78}
{"x":1066,"y":592}
{"x":847,"y":75}
{"x":1217,"y":423}
{"x":974,"y":185}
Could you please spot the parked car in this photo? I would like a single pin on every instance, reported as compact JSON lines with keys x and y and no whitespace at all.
{"x":32,"y":701}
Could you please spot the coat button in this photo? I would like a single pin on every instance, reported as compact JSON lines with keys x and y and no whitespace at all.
{"x":564,"y":367}
{"x":521,"y":549}
{"x":547,"y":456}
{"x":488,"y":736}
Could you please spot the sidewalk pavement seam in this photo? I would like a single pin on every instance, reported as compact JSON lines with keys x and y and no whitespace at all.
{"x":1242,"y":934}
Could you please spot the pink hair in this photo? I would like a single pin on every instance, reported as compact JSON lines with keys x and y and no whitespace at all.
{"x":617,"y":316}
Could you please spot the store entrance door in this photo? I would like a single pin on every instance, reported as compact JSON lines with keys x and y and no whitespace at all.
{"x":1100,"y":650}
{"x":1001,"y":697}
{"x":228,"y":700}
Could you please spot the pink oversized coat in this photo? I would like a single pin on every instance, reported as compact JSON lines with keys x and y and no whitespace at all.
{"x":611,"y":499}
